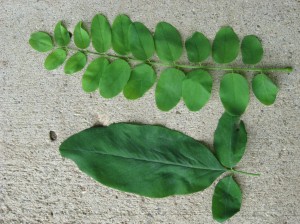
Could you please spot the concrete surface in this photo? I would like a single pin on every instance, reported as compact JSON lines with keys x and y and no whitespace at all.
{"x":38,"y":186}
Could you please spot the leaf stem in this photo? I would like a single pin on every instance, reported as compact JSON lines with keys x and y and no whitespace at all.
{"x":243,"y":172}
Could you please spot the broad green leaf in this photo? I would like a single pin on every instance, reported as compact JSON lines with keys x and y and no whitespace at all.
{"x":141,"y":80}
{"x":61,"y":35}
{"x":227,"y":199}
{"x":196,"y":89}
{"x":230,"y":140}
{"x":55,"y":59}
{"x":41,"y":41}
{"x":120,"y":30}
{"x":140,"y":41}
{"x":114,"y":78}
{"x":264,"y":89}
{"x":148,"y":160}
{"x":93,"y":73}
{"x":197,"y":47}
{"x":225,"y":46}
{"x":252,"y":50}
{"x":234,"y":93}
{"x":75,"y":63}
{"x":167,"y":42}
{"x":169,"y":89}
{"x":81,"y":36}
{"x":100,"y":33}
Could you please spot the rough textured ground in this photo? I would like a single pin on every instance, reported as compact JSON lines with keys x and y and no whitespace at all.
{"x":38,"y":186}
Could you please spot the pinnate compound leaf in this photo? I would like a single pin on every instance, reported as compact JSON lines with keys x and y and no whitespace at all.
{"x":41,"y":41}
{"x":169,"y":89}
{"x":75,"y":63}
{"x":167,"y":42}
{"x":234,"y":93}
{"x":91,"y":77}
{"x":141,"y":80}
{"x":196,"y":89}
{"x":55,"y":59}
{"x":264,"y":89}
{"x":148,"y":160}
{"x":81,"y":36}
{"x":61,"y":35}
{"x":140,"y":41}
{"x":227,"y":199}
{"x":114,"y":78}
{"x":252,"y":50}
{"x":230,"y":140}
{"x":197,"y":47}
{"x":100,"y":33}
{"x":225,"y":45}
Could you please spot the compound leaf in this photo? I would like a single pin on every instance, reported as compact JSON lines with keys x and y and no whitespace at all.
{"x":55,"y":59}
{"x":252,"y":50}
{"x":81,"y":36}
{"x":75,"y":63}
{"x":41,"y":41}
{"x":197,"y":47}
{"x":61,"y":35}
{"x":100,"y":33}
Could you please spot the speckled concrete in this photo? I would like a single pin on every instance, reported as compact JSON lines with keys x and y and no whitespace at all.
{"x":38,"y":186}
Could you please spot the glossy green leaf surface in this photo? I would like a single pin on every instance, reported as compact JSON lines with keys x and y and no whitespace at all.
{"x":75,"y":63}
{"x":55,"y":59}
{"x":114,"y":78}
{"x":141,"y":80}
{"x":230,"y":140}
{"x":61,"y":35}
{"x":225,"y":45}
{"x":196,"y":89}
{"x":81,"y":36}
{"x":140,"y":41}
{"x":167,"y":42}
{"x":198,"y":47}
{"x":264,"y":89}
{"x":93,"y":73}
{"x":41,"y":41}
{"x":169,"y":89}
{"x":252,"y":50}
{"x":100,"y":33}
{"x":227,"y":199}
{"x":148,"y":160}
{"x":234,"y":93}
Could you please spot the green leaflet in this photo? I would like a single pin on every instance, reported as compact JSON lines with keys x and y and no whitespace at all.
{"x":93,"y":73}
{"x":148,"y":160}
{"x":225,"y":46}
{"x":196,"y":89}
{"x":227,"y":199}
{"x":234,"y":93}
{"x":264,"y":89}
{"x":114,"y":78}
{"x":169,"y":89}
{"x":100,"y":33}
{"x":141,"y":80}
{"x":55,"y":59}
{"x":120,"y":28}
{"x":197,"y":47}
{"x":230,"y":140}
{"x":61,"y":35}
{"x":167,"y":42}
{"x":41,"y":41}
{"x":75,"y":63}
{"x":252,"y":50}
{"x":140,"y":41}
{"x":81,"y":36}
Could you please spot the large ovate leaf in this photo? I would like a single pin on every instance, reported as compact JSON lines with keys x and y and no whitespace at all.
{"x":196,"y":89}
{"x":234,"y":93}
{"x":41,"y":41}
{"x":81,"y":36}
{"x":61,"y":35}
{"x":140,"y":41}
{"x":167,"y":42}
{"x":169,"y":89}
{"x":55,"y":59}
{"x":93,"y":73}
{"x":148,"y":160}
{"x":264,"y":89}
{"x":75,"y":63}
{"x":227,"y":199}
{"x":141,"y":80}
{"x":230,"y":140}
{"x":252,"y":50}
{"x":225,"y":45}
{"x":114,"y":78}
{"x":100,"y":33}
{"x":197,"y":47}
